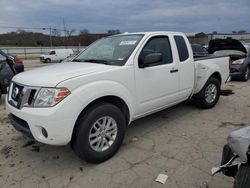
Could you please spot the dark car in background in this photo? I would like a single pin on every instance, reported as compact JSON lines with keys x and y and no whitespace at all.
{"x":199,"y":50}
{"x":8,"y":69}
{"x":239,"y":66}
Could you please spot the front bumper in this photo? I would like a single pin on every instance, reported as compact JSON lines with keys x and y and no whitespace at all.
{"x":237,"y":71}
{"x":58,"y":121}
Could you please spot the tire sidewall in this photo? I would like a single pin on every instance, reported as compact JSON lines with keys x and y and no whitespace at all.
{"x":82,"y":145}
{"x":246,"y":77}
{"x":200,"y":98}
{"x":48,"y":60}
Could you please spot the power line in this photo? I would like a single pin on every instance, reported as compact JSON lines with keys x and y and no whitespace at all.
{"x":33,"y":28}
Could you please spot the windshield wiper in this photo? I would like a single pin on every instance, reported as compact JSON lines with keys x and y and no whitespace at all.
{"x":97,"y":61}
{"x":78,"y":60}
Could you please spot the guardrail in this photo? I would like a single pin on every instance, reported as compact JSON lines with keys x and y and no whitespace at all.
{"x":35,"y":52}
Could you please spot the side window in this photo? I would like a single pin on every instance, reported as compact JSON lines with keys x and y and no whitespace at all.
{"x":52,"y":53}
{"x":181,"y":47}
{"x":159,"y":44}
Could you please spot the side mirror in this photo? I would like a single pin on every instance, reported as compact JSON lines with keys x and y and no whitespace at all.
{"x":151,"y":59}
{"x":11,"y":58}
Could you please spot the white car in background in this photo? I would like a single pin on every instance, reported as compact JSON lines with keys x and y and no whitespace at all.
{"x":56,"y":55}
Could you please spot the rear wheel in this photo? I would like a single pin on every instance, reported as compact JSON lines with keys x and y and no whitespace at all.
{"x":246,"y":75}
{"x":99,"y":133}
{"x":242,"y":179}
{"x":209,"y":95}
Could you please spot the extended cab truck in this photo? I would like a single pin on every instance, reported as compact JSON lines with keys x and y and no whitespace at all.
{"x":90,"y":101}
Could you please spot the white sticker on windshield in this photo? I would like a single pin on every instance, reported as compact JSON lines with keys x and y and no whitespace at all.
{"x":129,"y":42}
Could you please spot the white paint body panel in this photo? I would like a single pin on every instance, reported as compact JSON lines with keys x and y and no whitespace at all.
{"x":145,"y":91}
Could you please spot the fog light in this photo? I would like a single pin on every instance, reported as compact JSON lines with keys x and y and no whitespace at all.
{"x":44,"y":132}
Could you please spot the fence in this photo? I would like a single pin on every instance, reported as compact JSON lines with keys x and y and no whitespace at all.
{"x":35,"y":52}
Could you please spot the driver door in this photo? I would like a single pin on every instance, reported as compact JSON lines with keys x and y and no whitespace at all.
{"x":157,"y":86}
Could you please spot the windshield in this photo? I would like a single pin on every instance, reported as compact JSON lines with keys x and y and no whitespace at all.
{"x":229,"y":52}
{"x":114,"y":50}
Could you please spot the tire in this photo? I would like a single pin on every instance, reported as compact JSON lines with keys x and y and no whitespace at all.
{"x":86,"y":132}
{"x":202,"y":101}
{"x":48,"y":60}
{"x":242,"y":179}
{"x":246,"y":75}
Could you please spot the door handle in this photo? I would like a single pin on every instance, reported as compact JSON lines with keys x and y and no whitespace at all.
{"x":174,"y":70}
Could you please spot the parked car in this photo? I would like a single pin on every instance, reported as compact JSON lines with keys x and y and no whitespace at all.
{"x":56,"y":55}
{"x":90,"y":101}
{"x":8,"y":69}
{"x":199,"y":50}
{"x":240,"y":68}
{"x":16,"y":59}
{"x":235,"y":158}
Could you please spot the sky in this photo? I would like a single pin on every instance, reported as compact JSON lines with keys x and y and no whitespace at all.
{"x":98,"y":16}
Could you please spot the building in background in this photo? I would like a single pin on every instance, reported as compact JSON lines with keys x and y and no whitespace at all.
{"x":197,"y":38}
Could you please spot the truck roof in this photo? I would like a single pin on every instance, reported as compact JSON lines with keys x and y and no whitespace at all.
{"x":151,"y":32}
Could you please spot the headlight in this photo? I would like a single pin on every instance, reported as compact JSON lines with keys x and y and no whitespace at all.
{"x":48,"y":97}
{"x":238,"y":62}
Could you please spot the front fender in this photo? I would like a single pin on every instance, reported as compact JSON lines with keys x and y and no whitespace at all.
{"x":239,"y":142}
{"x":95,"y":90}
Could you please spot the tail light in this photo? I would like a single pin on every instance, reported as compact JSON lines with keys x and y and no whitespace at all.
{"x":229,"y":62}
{"x":19,"y":61}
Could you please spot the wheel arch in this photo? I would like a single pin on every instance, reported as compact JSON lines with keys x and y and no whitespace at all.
{"x":217,"y":76}
{"x":112,"y":99}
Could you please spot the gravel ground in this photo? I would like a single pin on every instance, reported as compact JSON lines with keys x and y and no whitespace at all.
{"x":183,"y":142}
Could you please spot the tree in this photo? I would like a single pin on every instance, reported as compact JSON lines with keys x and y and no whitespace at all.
{"x":21,"y":31}
{"x":56,"y":32}
{"x":215,"y":32}
{"x":68,"y":32}
{"x":114,"y":31}
{"x":234,"y":32}
{"x":83,"y":32}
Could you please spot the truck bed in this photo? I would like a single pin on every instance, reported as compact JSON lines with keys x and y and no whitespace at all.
{"x":205,"y":65}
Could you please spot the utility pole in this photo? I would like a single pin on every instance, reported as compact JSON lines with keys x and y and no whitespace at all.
{"x":50,"y":37}
{"x":64,"y":28}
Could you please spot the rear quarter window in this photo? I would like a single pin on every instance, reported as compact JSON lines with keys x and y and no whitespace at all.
{"x":182,"y":48}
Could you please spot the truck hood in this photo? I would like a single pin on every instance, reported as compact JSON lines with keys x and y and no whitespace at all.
{"x":225,"y":44}
{"x":51,"y":75}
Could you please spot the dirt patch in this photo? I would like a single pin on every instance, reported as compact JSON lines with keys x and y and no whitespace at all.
{"x":6,"y":151}
{"x":224,"y":124}
{"x":4,"y":120}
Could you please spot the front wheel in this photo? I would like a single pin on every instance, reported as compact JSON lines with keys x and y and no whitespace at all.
{"x":99,"y":133}
{"x":209,"y":95}
{"x":246,"y":75}
{"x":242,"y":179}
{"x":48,"y":60}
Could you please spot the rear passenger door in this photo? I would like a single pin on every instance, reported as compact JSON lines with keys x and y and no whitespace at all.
{"x":186,"y":66}
{"x":157,"y":86}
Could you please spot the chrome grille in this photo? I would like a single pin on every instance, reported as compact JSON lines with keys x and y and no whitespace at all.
{"x":21,"y":95}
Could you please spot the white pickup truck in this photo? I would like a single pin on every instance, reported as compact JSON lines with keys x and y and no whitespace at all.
{"x":90,"y":101}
